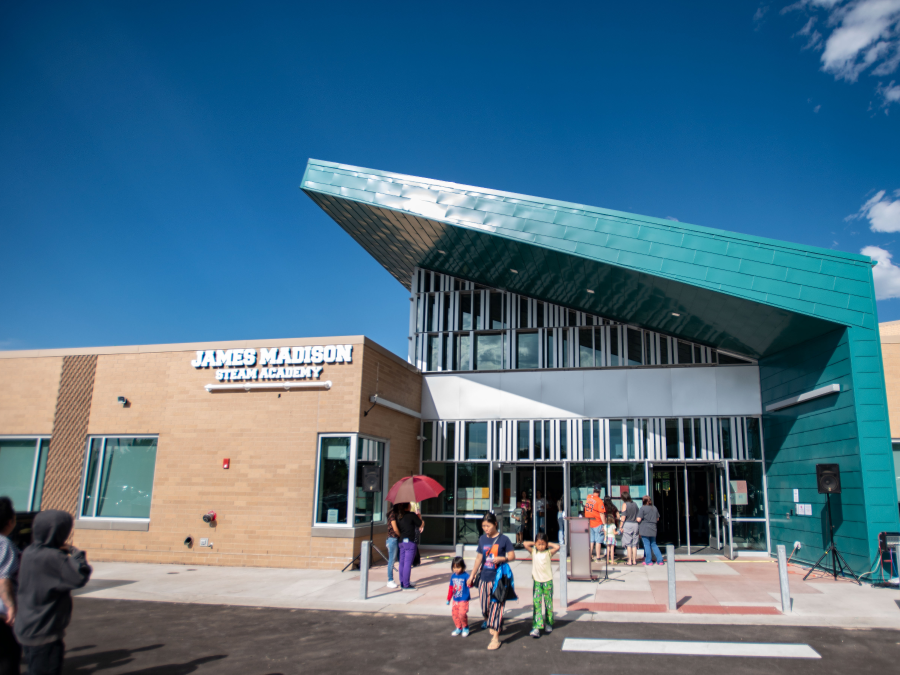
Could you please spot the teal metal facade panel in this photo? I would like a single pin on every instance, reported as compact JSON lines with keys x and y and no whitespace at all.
{"x":808,"y":314}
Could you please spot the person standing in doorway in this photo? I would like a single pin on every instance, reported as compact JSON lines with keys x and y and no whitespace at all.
{"x":408,"y":523}
{"x":540,"y":510}
{"x":393,"y":543}
{"x":561,"y":520}
{"x":10,"y":651}
{"x":49,"y":572}
{"x":595,"y":512}
{"x":525,"y":519}
{"x":647,"y":518}
{"x":494,"y":551}
{"x":630,"y":527}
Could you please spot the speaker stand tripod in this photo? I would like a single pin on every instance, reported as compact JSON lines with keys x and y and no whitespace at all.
{"x":606,"y":576}
{"x":356,"y":560}
{"x":837,"y":560}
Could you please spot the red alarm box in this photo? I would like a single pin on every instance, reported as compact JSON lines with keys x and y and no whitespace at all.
{"x":226,"y":463}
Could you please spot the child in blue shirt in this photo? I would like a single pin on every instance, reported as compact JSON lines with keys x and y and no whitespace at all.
{"x":459,"y":594}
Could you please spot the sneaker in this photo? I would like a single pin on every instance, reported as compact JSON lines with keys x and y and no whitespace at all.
{"x":392,"y":584}
{"x":661,"y":563}
{"x":535,"y":633}
{"x":456,"y":632}
{"x":409,"y":588}
{"x":548,"y":629}
{"x":465,"y":632}
{"x":647,"y":564}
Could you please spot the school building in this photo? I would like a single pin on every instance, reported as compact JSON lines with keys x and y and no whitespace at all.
{"x":552,"y":347}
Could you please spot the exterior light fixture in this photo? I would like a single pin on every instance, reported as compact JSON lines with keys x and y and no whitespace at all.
{"x":675,"y":314}
{"x":441,"y":252}
{"x":513,"y":271}
{"x":122,"y":401}
{"x":590,"y":291}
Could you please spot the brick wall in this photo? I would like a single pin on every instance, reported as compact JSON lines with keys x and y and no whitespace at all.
{"x":264,"y":502}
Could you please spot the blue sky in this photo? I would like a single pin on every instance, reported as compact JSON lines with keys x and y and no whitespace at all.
{"x":150,"y":153}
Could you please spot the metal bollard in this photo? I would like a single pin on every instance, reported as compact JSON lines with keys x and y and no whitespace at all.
{"x":365,"y":555}
{"x":670,"y":565}
{"x":460,"y":549}
{"x":563,"y":581}
{"x":783,"y":581}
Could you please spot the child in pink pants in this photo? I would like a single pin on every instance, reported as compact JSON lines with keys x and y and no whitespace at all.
{"x":458,"y":593}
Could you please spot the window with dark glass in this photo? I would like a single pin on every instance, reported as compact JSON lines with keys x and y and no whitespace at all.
{"x":461,"y":353}
{"x":369,"y":505}
{"x":616,"y":440}
{"x":427,"y":441}
{"x":586,"y":347}
{"x":685,"y":353}
{"x":635,"y":347}
{"x":334,"y":480}
{"x":119,"y":478}
{"x":614,"y":355}
{"x":465,"y":310}
{"x":488,"y":351}
{"x":727,"y":448}
{"x":497,"y":315}
{"x":550,"y":351}
{"x":476,"y":440}
{"x":523,"y":434}
{"x":527,"y":348}
{"x":23,"y":463}
{"x":538,"y":439}
{"x":672,"y":439}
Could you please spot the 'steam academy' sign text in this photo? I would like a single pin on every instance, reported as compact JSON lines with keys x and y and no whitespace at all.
{"x":276,"y":363}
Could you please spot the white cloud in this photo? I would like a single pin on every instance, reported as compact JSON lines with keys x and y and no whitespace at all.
{"x":885,"y":273}
{"x":882,"y":213}
{"x":673,"y":218}
{"x":862,"y":35}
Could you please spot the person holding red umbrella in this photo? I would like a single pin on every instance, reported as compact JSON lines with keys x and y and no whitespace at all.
{"x":410,"y":489}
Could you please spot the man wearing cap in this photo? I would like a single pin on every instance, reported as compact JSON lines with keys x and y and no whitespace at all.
{"x":596,"y":512}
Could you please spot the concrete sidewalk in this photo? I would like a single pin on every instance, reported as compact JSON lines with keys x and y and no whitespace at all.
{"x":734,"y":592}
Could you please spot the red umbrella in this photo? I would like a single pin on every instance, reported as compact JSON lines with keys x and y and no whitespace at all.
{"x":414,"y":489}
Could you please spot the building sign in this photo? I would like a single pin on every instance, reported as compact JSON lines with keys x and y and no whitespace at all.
{"x":277,"y":363}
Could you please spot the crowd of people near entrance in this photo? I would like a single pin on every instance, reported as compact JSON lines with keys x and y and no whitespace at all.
{"x":634,"y":524}
{"x":491,"y":573}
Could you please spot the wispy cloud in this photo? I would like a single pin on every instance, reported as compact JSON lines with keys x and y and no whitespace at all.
{"x":881,"y":211}
{"x":854,"y":36}
{"x":673,"y":218}
{"x":760,"y":14}
{"x":885,"y":273}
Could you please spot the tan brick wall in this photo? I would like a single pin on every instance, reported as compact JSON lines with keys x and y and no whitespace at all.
{"x":890,"y":353}
{"x":28,"y":395}
{"x":264,"y":501}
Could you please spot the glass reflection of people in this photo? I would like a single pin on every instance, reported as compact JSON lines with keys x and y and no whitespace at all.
{"x":540,"y":509}
{"x":525,"y":518}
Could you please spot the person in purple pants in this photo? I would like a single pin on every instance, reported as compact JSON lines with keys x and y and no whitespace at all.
{"x":408,"y":523}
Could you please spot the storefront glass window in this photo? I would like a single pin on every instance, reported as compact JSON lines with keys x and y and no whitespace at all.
{"x":582,"y":479}
{"x":489,"y":351}
{"x":725,"y":427}
{"x":119,"y":478}
{"x":21,"y":478}
{"x":476,"y":440}
{"x":614,"y":359}
{"x":746,"y":490}
{"x":473,"y":487}
{"x":748,"y":536}
{"x":627,"y":476}
{"x":443,"y":503}
{"x":334,"y":480}
{"x":438,"y":531}
{"x":369,"y":505}
{"x":527,"y":350}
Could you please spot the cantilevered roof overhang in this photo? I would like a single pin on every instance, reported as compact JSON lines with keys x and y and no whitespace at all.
{"x":747,"y":294}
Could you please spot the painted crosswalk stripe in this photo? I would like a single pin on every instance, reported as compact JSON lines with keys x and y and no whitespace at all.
{"x":756,"y":649}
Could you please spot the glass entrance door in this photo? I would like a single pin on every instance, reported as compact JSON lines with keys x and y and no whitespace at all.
{"x":668,"y":500}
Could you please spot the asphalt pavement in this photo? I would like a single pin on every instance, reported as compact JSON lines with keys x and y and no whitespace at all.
{"x":115,"y":637}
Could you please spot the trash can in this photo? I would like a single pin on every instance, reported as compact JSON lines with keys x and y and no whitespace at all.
{"x":580,"y":549}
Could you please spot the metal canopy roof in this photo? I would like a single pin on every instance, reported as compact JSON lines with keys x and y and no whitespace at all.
{"x":738,"y":292}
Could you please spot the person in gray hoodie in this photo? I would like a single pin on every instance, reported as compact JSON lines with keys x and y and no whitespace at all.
{"x":49,"y":571}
